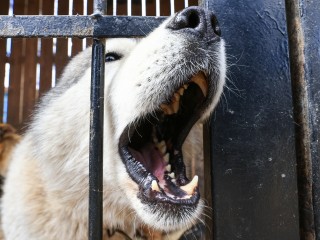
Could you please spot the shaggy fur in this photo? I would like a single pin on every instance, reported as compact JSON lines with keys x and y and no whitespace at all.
{"x":46,"y":191}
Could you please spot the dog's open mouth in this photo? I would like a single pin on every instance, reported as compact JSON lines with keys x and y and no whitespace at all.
{"x":151,"y":148}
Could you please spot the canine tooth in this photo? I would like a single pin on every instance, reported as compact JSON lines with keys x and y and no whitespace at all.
{"x":200,"y":80}
{"x":185,"y":86}
{"x":155,"y":186}
{"x":166,"y":158}
{"x":181,"y":91}
{"x":168,"y":168}
{"x":168,"y":110}
{"x":175,"y":106}
{"x":189,"y":188}
{"x":172,"y":175}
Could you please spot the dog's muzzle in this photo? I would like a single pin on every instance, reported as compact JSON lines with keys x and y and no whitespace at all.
{"x":151,"y":146}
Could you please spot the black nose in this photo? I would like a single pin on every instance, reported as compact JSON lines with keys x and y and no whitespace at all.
{"x":198,"y":20}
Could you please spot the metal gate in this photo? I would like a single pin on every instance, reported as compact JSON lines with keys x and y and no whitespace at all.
{"x":262,"y":145}
{"x":265,"y":139}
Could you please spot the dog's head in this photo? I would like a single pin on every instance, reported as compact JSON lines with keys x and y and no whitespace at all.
{"x":157,"y":89}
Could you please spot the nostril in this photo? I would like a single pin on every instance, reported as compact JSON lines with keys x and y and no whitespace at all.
{"x":193,"y":19}
{"x":196,"y":20}
{"x":215,"y":25}
{"x":188,"y":18}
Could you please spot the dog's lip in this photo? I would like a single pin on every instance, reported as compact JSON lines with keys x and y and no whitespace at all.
{"x":160,"y":197}
{"x":145,"y":179}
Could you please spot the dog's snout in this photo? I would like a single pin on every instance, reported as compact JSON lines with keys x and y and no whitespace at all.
{"x":198,"y":20}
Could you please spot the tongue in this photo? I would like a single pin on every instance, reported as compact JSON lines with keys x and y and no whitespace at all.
{"x":151,"y":158}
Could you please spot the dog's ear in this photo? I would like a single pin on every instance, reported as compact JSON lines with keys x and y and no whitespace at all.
{"x":6,"y":130}
{"x":8,"y":140}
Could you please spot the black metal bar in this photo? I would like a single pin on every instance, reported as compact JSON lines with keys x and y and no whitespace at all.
{"x":208,"y":171}
{"x":77,"y":26}
{"x":253,"y":147}
{"x":96,"y":141}
{"x":95,"y":219}
{"x":301,"y":117}
{"x":309,"y":13}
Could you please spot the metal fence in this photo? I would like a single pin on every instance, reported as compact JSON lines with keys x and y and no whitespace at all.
{"x":97,"y":27}
{"x":262,"y":149}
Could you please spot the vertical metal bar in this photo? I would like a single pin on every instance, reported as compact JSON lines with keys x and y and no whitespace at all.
{"x":129,"y":8}
{"x":157,"y":8}
{"x":96,"y":142}
{"x":114,"y":10}
{"x":96,"y":134}
{"x":208,"y":169}
{"x":186,"y":3}
{"x":172,"y":7}
{"x":301,"y":106}
{"x":143,"y":8}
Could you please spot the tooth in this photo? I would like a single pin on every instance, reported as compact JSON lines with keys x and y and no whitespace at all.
{"x":181,"y":91}
{"x":154,"y":135}
{"x":162,"y":143}
{"x":175,"y":106}
{"x":162,"y":147}
{"x":172,"y":175}
{"x":168,"y":168}
{"x":189,"y":188}
{"x":155,"y":186}
{"x":168,"y":110}
{"x":200,"y":80}
{"x":176,"y":97}
{"x":185,"y":86}
{"x":166,"y":158}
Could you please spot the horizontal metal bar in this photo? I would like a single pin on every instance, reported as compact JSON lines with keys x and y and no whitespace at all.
{"x":77,"y":26}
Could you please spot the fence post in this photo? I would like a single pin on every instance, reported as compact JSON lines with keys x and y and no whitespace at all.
{"x":96,"y":142}
{"x":96,"y":135}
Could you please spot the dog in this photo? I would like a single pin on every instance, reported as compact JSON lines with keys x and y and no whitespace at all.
{"x":156,"y":89}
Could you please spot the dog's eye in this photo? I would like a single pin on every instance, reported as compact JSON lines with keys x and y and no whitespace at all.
{"x":111,"y":56}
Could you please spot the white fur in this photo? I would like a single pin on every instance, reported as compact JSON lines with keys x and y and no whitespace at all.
{"x":46,"y":191}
